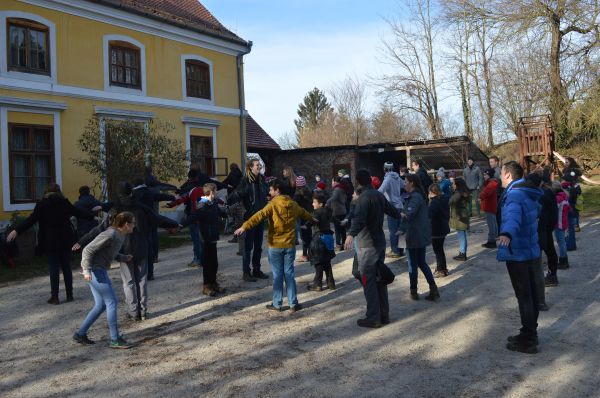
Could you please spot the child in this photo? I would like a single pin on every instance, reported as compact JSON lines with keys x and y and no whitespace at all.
{"x":439,"y":214}
{"x":322,"y":245}
{"x":282,"y":213}
{"x":489,"y":204}
{"x":302,"y":196}
{"x":564,"y":208}
{"x":208,"y":213}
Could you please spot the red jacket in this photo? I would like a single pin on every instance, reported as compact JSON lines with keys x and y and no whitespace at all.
{"x":489,"y":196}
{"x":190,"y":198}
{"x":562,"y":200}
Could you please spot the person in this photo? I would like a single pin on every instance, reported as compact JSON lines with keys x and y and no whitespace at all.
{"x":318,"y":179}
{"x":439,"y":215}
{"x":252,"y":193}
{"x":444,"y":183}
{"x":56,"y":235}
{"x":303,"y":197}
{"x":234,"y":177}
{"x":150,"y":198}
{"x":459,"y":216}
{"x":375,"y":182}
{"x":347,"y":185}
{"x":322,"y":244}
{"x":518,"y":247}
{"x":474,"y":179}
{"x":321,"y":187}
{"x":494,"y":162}
{"x":572,"y":173}
{"x":95,"y":261}
{"x":367,"y":229}
{"x":235,"y":213}
{"x":337,"y":204}
{"x":418,"y":237}
{"x":282,"y":213}
{"x":208,"y":212}
{"x":562,"y":203}
{"x":87,"y":202}
{"x":392,"y":188}
{"x":572,"y":188}
{"x":289,"y":181}
{"x":419,"y":170}
{"x":489,"y":204}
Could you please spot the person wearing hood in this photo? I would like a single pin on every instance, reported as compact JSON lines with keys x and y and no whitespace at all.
{"x":55,"y":235}
{"x":518,"y":246}
{"x":489,"y":204}
{"x":444,"y":183}
{"x":474,"y":179}
{"x":282,"y":213}
{"x":392,"y":188}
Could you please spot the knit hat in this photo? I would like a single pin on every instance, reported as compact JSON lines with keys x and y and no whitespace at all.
{"x":321,"y":185}
{"x":342,"y":172}
{"x":490,"y":172}
{"x":388,"y":166}
{"x":441,"y":173}
{"x":300,"y":181}
{"x":452,"y":174}
{"x":375,"y":182}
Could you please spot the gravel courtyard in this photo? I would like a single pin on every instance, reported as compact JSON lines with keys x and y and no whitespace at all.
{"x":232,"y":346}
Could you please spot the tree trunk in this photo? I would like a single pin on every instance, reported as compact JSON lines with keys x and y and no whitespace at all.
{"x":558,"y":95}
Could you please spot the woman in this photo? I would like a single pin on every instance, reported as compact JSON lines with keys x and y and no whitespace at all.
{"x":95,"y":261}
{"x":572,"y":173}
{"x":418,"y":236}
{"x":56,"y":236}
{"x":459,"y":215}
{"x":289,"y":181}
{"x":439,"y":213}
{"x":303,"y":197}
{"x":337,"y":204}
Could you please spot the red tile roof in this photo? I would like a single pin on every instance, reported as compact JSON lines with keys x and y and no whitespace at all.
{"x":190,"y":14}
{"x":256,"y":137}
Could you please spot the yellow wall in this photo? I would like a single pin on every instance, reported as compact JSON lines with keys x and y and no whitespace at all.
{"x":31,"y":118}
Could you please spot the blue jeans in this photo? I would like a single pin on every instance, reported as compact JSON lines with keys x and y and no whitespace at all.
{"x":393,"y":225}
{"x":416,"y":261}
{"x":462,"y":241}
{"x":197,"y":242}
{"x":559,"y":234}
{"x":282,"y":265}
{"x":571,"y":243}
{"x":253,"y":239}
{"x":105,"y":299}
{"x":490,"y":219}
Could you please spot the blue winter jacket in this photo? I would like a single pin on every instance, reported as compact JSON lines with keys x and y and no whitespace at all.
{"x":520,"y":211}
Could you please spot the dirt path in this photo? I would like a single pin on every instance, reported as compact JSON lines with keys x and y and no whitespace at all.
{"x":232,"y":346}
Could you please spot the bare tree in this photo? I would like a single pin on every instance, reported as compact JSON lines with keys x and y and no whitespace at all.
{"x":288,"y":140}
{"x":349,"y":98}
{"x":411,"y":51}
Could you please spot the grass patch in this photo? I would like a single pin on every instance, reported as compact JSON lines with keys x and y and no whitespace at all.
{"x":591,"y":197}
{"x":37,"y":266}
{"x":169,"y":241}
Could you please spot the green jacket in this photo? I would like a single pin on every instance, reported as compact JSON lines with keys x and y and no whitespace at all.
{"x":459,"y":216}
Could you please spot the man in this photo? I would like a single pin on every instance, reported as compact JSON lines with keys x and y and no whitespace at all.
{"x":392,"y":187}
{"x":367,"y":229}
{"x":235,"y":213}
{"x":252,"y":192}
{"x":474,"y":179}
{"x":495,"y":164}
{"x":518,"y":246}
{"x":282,"y":213}
{"x":419,"y":170}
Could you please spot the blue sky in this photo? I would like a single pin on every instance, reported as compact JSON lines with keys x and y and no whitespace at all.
{"x":299,"y":45}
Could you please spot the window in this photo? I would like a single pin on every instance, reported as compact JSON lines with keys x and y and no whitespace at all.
{"x":197,"y":75}
{"x":28,"y":46}
{"x":124,"y":65}
{"x":31,"y":161}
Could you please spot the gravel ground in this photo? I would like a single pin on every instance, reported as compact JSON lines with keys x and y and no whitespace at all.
{"x":232,"y":346}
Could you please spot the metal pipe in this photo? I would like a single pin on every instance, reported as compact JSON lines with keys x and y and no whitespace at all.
{"x":242,"y":103}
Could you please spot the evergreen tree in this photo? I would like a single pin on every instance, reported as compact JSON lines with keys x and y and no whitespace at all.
{"x":311,"y":111}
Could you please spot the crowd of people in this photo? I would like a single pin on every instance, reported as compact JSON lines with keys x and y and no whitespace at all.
{"x":524,"y":215}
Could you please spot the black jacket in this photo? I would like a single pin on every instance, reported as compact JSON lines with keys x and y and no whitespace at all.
{"x":548,"y":217}
{"x":439,"y":214}
{"x":149,"y":197}
{"x":369,"y":212}
{"x":253,"y":195}
{"x":425,"y":180}
{"x":53,"y":214}
{"x":87,"y":203}
{"x":233,"y":179}
{"x":208,"y":213}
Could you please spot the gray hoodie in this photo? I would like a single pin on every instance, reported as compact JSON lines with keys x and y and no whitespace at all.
{"x":473,"y":177}
{"x":100,"y":252}
{"x":391,"y":187}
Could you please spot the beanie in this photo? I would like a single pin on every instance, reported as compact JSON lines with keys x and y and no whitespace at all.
{"x":490,"y":172}
{"x":300,"y":181}
{"x":321,"y":185}
{"x":388,"y":166}
{"x":441,"y":173}
{"x":375,"y":182}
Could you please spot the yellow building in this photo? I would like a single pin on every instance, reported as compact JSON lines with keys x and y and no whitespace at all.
{"x":64,"y":61}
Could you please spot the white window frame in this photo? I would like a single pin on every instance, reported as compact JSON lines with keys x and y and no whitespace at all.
{"x":106,"y":51}
{"x":8,"y":206}
{"x":4,"y":72}
{"x":193,"y":57}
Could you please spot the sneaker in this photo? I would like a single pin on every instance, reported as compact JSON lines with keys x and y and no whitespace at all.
{"x":577,"y":228}
{"x":194,"y":264}
{"x":367,"y":323}
{"x":53,"y":300}
{"x":70,"y":299}
{"x":133,"y":317}
{"x":521,"y":346}
{"x":119,"y":343}
{"x":489,"y":245}
{"x":83,"y":339}
{"x":248,"y":278}
{"x":551,"y":280}
{"x":259,"y":274}
{"x":440,"y":273}
{"x":393,"y":255}
{"x":563,"y":263}
{"x":144,"y":316}
{"x":314,"y":287}
{"x":413,"y":294}
{"x":296,"y":308}
{"x":273,"y":308}
{"x":517,"y":337}
{"x":460,"y":257}
{"x":207,"y":290}
{"x":218,"y":288}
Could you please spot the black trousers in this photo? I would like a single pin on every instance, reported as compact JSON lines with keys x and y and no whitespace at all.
{"x":60,"y":261}
{"x":210,"y":262}
{"x":548,"y":248}
{"x":440,"y":257}
{"x":340,"y":231}
{"x":522,"y":278}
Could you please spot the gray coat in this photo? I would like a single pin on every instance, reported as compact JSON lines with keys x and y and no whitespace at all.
{"x":418,"y":232}
{"x":337,"y":202}
{"x":473,"y":177}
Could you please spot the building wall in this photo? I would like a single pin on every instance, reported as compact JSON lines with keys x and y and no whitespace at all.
{"x":310,"y":163}
{"x":79,"y":88}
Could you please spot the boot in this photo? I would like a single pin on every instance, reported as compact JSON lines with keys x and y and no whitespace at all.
{"x":329,"y":277}
{"x":248,"y":278}
{"x":434,"y":294}
{"x":563,"y":262}
{"x":218,"y":288}
{"x":53,"y":300}
{"x":413,"y":294}
{"x":461,"y":257}
{"x":69,"y":297}
{"x":208,"y":290}
{"x":317,"y":283}
{"x":551,"y":280}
